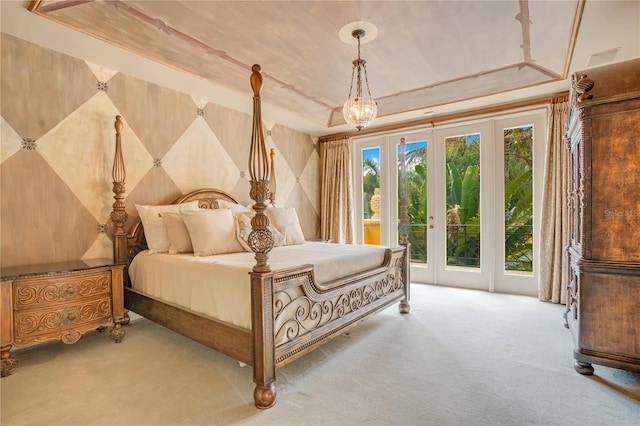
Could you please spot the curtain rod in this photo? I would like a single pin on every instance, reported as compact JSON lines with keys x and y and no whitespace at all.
{"x":333,"y":138}
{"x":432,"y":121}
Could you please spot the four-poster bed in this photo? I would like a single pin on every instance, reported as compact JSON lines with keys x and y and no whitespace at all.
{"x":292,"y":306}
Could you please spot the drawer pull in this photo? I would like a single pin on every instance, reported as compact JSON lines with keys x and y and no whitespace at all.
{"x":68,"y":290}
{"x":69,"y":316}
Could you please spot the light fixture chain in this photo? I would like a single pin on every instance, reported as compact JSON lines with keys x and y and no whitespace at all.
{"x":366,"y":79}
{"x":359,"y":82}
{"x":359,"y":85}
{"x":353,"y":70}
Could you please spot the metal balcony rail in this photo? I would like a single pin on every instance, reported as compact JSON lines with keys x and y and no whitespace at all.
{"x":463,"y":246}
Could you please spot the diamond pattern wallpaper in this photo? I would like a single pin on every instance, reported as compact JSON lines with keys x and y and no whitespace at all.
{"x":58,"y":143}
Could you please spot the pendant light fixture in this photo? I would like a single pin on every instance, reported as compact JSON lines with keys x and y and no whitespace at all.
{"x":359,"y":111}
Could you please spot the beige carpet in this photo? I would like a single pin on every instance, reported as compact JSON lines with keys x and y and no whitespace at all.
{"x":461,"y":357}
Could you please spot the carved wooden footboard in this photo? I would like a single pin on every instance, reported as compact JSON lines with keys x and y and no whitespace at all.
{"x":291,"y":314}
{"x":305,"y":315}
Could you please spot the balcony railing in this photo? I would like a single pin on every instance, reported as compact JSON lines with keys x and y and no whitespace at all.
{"x":518,"y":248}
{"x":463,"y":246}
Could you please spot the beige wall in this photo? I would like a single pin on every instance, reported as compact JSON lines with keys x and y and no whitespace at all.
{"x":58,"y":145}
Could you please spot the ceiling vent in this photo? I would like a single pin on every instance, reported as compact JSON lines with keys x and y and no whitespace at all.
{"x":603,"y":57}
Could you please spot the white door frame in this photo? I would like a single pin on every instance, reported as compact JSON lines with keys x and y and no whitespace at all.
{"x":514,"y":282}
{"x":420,"y":272}
{"x":385,"y":212}
{"x":476,"y":278}
{"x":491,"y":275}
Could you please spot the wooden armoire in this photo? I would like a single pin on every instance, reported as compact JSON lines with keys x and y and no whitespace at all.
{"x":603,"y":282}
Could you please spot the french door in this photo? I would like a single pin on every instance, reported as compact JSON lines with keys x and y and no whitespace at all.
{"x":473,"y":194}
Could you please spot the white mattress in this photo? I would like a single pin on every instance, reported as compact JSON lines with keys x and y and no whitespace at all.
{"x":219,"y":286}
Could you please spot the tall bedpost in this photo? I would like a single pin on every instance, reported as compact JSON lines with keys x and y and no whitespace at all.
{"x":404,"y":227}
{"x":118,"y":214}
{"x":260,"y":238}
{"x":272,"y":178}
{"x":261,"y":242}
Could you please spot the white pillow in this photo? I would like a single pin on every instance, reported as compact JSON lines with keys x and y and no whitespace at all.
{"x":212,"y":231}
{"x":155,"y":231}
{"x":243,"y":229}
{"x":234,"y":207}
{"x":179,"y":239}
{"x":285,"y":220}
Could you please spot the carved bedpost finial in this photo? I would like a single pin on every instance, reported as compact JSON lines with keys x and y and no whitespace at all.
{"x":118,"y":214}
{"x":260,"y":239}
{"x":118,"y":125}
{"x":256,"y":81}
{"x":272,"y":179}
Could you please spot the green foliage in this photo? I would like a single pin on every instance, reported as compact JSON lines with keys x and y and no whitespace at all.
{"x":454,"y":185}
{"x":463,"y":243}
{"x":518,"y":207}
{"x":417,"y":211}
{"x":416,"y":202}
{"x":470,"y":194}
{"x":463,"y":200}
{"x":463,"y":190}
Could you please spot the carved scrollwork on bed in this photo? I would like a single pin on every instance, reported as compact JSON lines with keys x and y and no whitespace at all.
{"x":207,"y":198}
{"x":297,"y":311}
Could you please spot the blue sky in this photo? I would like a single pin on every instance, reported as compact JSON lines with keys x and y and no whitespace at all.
{"x":374,"y":153}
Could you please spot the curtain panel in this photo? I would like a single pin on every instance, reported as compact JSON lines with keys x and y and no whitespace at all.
{"x":554,"y":227}
{"x":336,"y":197}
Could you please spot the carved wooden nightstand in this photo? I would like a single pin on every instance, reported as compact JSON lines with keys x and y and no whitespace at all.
{"x":59,"y":301}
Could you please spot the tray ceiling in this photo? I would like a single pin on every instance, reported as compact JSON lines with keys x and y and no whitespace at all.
{"x":426,"y":53}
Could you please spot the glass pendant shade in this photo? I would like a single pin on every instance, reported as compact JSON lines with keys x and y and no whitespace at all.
{"x":359,"y":112}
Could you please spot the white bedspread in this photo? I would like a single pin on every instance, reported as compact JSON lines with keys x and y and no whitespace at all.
{"x":219,"y":286}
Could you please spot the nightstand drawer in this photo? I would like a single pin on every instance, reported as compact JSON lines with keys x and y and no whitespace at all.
{"x":55,"y":321}
{"x":61,"y":288}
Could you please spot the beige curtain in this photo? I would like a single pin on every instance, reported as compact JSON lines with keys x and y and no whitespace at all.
{"x":554,"y":228}
{"x":336,"y":197}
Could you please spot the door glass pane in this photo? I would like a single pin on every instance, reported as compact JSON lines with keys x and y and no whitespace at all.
{"x":463,"y":200}
{"x":371,"y":195}
{"x":412,"y":187}
{"x":518,"y":199}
